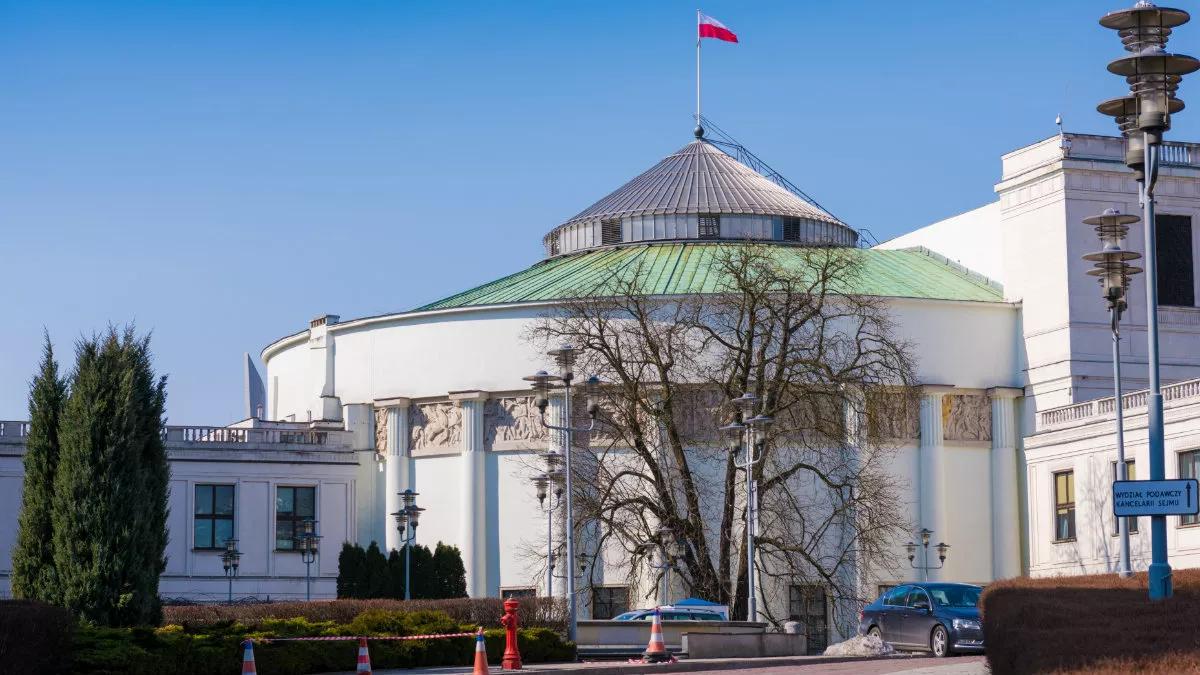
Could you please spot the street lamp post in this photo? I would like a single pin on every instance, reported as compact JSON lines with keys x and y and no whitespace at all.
{"x":230,"y":560}
{"x":565,"y":357}
{"x":942,"y":549}
{"x":1153,"y":75}
{"x":407,"y":519}
{"x":668,"y":552}
{"x":553,"y":477}
{"x":748,"y":434}
{"x":308,"y":542}
{"x":1114,"y":271}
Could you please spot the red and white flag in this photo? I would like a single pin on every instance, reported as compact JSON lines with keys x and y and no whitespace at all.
{"x":711,"y":28}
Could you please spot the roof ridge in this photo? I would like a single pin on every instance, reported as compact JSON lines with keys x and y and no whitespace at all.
{"x":963,"y":270}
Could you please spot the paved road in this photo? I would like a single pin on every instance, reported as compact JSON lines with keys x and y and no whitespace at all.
{"x":972,"y":665}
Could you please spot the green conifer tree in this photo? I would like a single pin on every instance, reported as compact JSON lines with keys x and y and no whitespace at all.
{"x":395,"y":564}
{"x":378,"y":578}
{"x":449,"y":573}
{"x":423,"y":583}
{"x":33,"y":557}
{"x":110,"y":491}
{"x":352,"y":571}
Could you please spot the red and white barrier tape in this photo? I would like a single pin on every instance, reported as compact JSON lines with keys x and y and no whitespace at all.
{"x":332,"y":638}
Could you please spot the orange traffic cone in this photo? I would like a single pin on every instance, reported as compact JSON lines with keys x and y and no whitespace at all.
{"x":364,"y":657}
{"x":656,"y":651}
{"x":248,"y":658}
{"x":481,"y":666}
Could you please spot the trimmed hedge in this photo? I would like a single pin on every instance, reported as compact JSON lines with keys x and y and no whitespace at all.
{"x":182,"y":650}
{"x":34,"y":637}
{"x":1091,"y":624}
{"x":535,"y":612}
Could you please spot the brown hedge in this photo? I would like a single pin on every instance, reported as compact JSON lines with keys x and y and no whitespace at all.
{"x":34,"y":637}
{"x":1091,"y":624}
{"x":535,"y":612}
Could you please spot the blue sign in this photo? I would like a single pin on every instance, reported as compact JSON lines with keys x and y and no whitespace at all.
{"x":1156,"y":497}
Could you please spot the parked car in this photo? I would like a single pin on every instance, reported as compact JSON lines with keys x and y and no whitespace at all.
{"x":938,"y":617}
{"x":670,"y":614}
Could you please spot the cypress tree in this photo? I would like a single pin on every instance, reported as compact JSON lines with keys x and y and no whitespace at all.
{"x":449,"y":573}
{"x":421,"y":575}
{"x":110,"y":491}
{"x":377,"y":577}
{"x":395,"y":564}
{"x":352,"y":571}
{"x":33,"y":575}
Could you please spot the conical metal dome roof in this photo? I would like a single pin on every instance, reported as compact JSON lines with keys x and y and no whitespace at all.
{"x":700,"y":178}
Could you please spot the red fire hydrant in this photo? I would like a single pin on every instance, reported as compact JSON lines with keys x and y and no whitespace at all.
{"x":512,"y":656}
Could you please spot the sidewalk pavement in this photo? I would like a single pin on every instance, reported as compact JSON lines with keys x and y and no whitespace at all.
{"x":802,"y":664}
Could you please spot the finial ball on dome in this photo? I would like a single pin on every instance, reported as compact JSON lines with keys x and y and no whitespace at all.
{"x":699,"y":131}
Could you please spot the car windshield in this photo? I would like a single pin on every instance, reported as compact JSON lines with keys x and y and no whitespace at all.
{"x":626,"y":616}
{"x":955,"y":596}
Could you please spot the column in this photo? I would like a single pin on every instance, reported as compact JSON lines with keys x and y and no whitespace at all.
{"x":397,"y":474}
{"x":1006,"y":529}
{"x":932,"y":493}
{"x":473,"y":523}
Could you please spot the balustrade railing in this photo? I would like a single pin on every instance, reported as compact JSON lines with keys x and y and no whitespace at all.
{"x":13,"y":429}
{"x":1176,"y":154}
{"x":1054,"y":417}
{"x":228,"y":435}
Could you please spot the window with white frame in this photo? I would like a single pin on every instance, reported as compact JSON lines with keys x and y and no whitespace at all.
{"x":293,"y":506}
{"x":1064,"y":506}
{"x":212,"y":518}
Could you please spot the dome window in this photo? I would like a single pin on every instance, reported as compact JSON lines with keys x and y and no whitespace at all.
{"x":710,"y":226}
{"x":610,"y":232}
{"x":791,"y":229}
{"x":552,"y":243}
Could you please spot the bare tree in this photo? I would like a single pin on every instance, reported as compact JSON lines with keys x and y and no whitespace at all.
{"x":827,"y":365}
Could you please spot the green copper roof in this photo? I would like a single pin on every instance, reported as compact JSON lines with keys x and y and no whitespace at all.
{"x":687,"y":267}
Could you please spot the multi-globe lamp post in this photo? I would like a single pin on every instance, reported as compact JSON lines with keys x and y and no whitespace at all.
{"x":942,"y":548}
{"x":1114,"y":271}
{"x":747,"y":435}
{"x":1153,"y":75}
{"x":668,"y":549}
{"x":407,"y":519}
{"x":543,"y":384}
{"x":549,"y":486}
{"x":308,"y":542}
{"x":230,"y":560}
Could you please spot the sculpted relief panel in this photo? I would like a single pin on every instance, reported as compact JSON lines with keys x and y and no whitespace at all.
{"x":435,"y":425}
{"x":381,"y":419}
{"x":967,"y":417}
{"x":513,"y":423}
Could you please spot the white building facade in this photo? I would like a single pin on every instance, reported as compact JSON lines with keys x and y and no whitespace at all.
{"x":1010,"y":334}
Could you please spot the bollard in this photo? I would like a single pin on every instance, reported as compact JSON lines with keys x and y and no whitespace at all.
{"x":512,"y":655}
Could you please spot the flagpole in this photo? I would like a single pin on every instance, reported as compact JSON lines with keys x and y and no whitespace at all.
{"x":698,"y":69}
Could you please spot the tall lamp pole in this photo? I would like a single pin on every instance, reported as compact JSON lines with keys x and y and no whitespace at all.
{"x":407,"y":519}
{"x":1153,"y":75}
{"x":308,"y":542}
{"x":942,"y":550}
{"x":230,"y":560}
{"x":668,"y":553}
{"x":542,"y":483}
{"x":543,"y":382}
{"x":747,"y":434}
{"x":1113,"y":268}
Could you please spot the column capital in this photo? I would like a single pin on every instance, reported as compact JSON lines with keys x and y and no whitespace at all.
{"x":936,"y":389}
{"x":395,"y":402}
{"x":1005,"y":392}
{"x":457,"y":397}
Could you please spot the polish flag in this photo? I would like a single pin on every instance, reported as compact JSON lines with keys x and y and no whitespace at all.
{"x":711,"y":28}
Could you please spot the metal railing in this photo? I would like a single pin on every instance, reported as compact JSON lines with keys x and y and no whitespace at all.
{"x":1076,"y":412}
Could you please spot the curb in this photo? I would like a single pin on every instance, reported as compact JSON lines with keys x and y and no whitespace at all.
{"x":688,"y":666}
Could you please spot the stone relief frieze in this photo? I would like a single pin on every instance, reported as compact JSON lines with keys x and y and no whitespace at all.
{"x":967,"y":417}
{"x":893,"y":416}
{"x":381,"y":420}
{"x":435,"y":425}
{"x":513,"y":422}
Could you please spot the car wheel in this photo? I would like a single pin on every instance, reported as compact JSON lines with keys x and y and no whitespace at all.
{"x":875,"y":632}
{"x":939,"y":642}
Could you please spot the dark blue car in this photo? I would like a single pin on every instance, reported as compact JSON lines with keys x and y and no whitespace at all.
{"x":935,"y":617}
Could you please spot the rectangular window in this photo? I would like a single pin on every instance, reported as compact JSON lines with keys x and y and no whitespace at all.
{"x":1130,"y":474}
{"x":1064,"y":506}
{"x":293,"y":506}
{"x":552,"y":243}
{"x":1189,"y":467}
{"x":609,"y":601}
{"x":506,"y":593}
{"x":213,"y":517}
{"x":610,"y":232}
{"x":791,"y":229}
{"x":806,"y":604}
{"x":710,"y":226}
{"x":1173,"y":242}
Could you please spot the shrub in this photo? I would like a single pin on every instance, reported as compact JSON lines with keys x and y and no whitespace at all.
{"x":535,"y":612}
{"x":34,"y":637}
{"x":1109,"y":624}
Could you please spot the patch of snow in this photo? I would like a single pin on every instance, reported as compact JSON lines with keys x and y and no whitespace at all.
{"x":860,"y":645}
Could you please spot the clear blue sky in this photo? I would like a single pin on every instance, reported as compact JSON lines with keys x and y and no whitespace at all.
{"x":220,"y":172}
